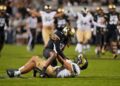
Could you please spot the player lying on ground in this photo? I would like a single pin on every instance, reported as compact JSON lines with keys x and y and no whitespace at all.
{"x":68,"y":68}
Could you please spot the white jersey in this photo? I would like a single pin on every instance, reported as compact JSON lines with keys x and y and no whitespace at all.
{"x":66,"y":73}
{"x":32,"y":22}
{"x":47,"y":18}
{"x":84,"y":22}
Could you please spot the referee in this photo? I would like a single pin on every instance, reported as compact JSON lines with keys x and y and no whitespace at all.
{"x":32,"y":26}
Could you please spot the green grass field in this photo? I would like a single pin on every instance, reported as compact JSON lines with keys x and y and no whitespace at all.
{"x":103,"y":71}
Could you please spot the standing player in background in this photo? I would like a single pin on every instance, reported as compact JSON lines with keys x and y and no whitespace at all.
{"x":83,"y":34}
{"x":47,"y":21}
{"x":100,"y":31}
{"x":31,"y":26}
{"x":112,"y":22}
{"x":3,"y":22}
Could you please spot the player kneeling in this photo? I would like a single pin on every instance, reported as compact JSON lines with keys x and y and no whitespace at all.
{"x":68,"y":68}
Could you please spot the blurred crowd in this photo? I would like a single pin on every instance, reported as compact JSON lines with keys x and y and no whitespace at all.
{"x":17,"y":30}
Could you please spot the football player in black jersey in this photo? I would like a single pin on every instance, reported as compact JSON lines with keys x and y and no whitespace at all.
{"x":3,"y":22}
{"x":112,"y":21}
{"x":55,"y":46}
{"x":61,"y":21}
{"x":100,"y":31}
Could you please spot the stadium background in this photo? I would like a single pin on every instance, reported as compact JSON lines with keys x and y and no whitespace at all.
{"x":102,"y":71}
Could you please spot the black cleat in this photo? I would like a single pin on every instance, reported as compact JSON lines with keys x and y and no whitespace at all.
{"x":35,"y":71}
{"x":11,"y":72}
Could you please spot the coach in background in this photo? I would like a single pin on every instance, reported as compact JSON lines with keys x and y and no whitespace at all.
{"x":31,"y":25}
{"x":3,"y":23}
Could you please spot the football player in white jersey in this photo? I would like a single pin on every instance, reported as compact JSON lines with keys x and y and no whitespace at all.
{"x":47,"y":21}
{"x":68,"y":69}
{"x":83,"y":33}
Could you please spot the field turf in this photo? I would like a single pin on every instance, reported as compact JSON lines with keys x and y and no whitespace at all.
{"x":102,"y":71}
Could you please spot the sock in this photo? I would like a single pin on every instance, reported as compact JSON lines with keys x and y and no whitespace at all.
{"x":76,"y":49}
{"x":44,"y":69}
{"x":21,"y":68}
{"x":17,"y":73}
{"x":80,"y":48}
{"x":88,"y":46}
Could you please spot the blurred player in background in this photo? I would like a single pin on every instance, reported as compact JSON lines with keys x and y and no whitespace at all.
{"x":61,"y":21}
{"x":83,"y":34}
{"x":3,"y":22}
{"x":112,"y":22}
{"x":31,"y":25}
{"x":47,"y":21}
{"x":100,"y":31}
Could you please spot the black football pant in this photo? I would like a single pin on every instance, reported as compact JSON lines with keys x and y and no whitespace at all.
{"x":32,"y":38}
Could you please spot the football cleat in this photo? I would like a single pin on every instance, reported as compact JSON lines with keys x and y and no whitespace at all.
{"x":11,"y":72}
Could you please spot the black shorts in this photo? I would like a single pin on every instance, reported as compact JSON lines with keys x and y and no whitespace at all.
{"x":111,"y":33}
{"x":46,"y":54}
{"x":100,"y":37}
{"x":111,"y":36}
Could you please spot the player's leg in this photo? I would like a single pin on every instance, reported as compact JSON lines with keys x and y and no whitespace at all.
{"x":30,"y":64}
{"x":51,"y":58}
{"x":1,"y":41}
{"x":103,"y":44}
{"x":87,"y":38}
{"x":79,"y":36}
{"x":114,"y":44}
{"x":30,"y":41}
{"x":33,"y":31}
{"x":98,"y":42}
{"x":46,"y":31}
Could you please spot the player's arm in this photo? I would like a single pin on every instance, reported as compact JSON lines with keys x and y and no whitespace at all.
{"x":58,"y":14}
{"x":64,"y":63}
{"x":34,"y":12}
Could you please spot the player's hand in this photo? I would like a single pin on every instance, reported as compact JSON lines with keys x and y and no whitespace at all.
{"x":28,"y":9}
{"x":54,"y":37}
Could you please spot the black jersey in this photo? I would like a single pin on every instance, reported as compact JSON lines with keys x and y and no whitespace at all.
{"x":3,"y":22}
{"x":58,"y":45}
{"x":112,"y":18}
{"x":61,"y":22}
